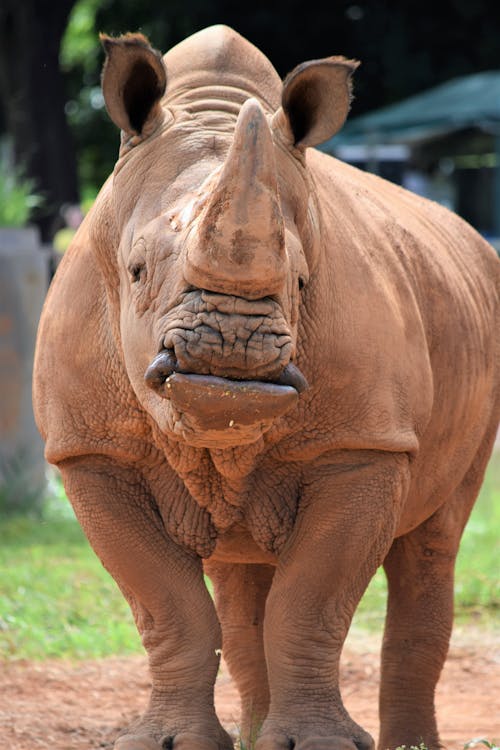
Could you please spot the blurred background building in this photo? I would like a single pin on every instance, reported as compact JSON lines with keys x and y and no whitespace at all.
{"x":443,"y":143}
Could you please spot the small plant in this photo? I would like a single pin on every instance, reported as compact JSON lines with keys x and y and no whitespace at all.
{"x":18,"y":198}
{"x":468,"y":745}
{"x":481,"y":741}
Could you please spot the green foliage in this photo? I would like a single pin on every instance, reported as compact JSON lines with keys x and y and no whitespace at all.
{"x":79,"y":43}
{"x":81,"y":57}
{"x":62,"y":239}
{"x":18,"y":197}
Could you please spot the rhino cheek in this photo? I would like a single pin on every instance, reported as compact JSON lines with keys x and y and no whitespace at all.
{"x":137,"y":344}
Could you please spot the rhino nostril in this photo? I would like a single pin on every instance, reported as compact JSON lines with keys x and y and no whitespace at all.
{"x":161,"y":367}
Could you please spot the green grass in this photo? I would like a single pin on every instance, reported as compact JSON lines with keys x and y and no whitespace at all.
{"x":477,"y":583}
{"x":56,"y":600}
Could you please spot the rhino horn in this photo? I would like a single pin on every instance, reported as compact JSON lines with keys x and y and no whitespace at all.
{"x":238,"y":246}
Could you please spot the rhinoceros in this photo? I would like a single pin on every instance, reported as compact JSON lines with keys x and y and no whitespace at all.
{"x":261,"y":363}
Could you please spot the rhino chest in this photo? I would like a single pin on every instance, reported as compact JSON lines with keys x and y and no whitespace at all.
{"x":252,"y":516}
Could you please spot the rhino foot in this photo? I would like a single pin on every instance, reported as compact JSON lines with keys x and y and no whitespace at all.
{"x":362,"y":741}
{"x":182,"y":741}
{"x":138,"y":742}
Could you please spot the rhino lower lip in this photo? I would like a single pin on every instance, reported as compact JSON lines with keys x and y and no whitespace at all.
{"x":213,"y":403}
{"x":165,"y":364}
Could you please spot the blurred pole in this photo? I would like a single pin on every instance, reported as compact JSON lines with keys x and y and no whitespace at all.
{"x":23,"y":286}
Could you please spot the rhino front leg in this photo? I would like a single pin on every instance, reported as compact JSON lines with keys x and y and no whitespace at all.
{"x":172,"y":608}
{"x":345,"y":525}
{"x":240,"y":594}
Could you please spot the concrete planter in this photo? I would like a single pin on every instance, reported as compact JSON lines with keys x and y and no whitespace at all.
{"x":23,"y":286}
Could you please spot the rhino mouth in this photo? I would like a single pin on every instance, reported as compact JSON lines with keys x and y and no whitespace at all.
{"x":165,"y":365}
{"x":208,"y":333}
{"x":218,"y":403}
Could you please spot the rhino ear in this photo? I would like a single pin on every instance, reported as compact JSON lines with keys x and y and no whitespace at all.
{"x":133,"y":81}
{"x":316,"y":98}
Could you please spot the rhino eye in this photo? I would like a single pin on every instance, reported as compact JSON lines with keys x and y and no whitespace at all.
{"x":137,"y":271}
{"x":302,"y":283}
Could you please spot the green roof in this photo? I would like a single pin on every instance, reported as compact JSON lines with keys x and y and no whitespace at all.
{"x":469,"y":101}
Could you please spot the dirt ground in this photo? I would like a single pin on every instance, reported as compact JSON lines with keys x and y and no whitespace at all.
{"x":65,"y":705}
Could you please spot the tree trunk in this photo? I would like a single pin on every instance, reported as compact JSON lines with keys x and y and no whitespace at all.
{"x":32,"y":97}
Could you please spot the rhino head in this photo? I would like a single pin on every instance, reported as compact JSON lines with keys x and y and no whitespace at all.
{"x":210,"y":224}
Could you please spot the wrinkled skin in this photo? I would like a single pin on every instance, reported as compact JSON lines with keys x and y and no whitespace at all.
{"x":225,"y":264}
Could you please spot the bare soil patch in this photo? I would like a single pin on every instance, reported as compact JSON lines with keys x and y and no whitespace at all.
{"x":82,"y":705}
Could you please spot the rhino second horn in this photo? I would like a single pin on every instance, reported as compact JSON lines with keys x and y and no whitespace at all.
{"x":238,"y":246}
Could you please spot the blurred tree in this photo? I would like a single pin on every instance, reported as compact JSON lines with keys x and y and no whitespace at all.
{"x":32,"y":100}
{"x":82,"y":58}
